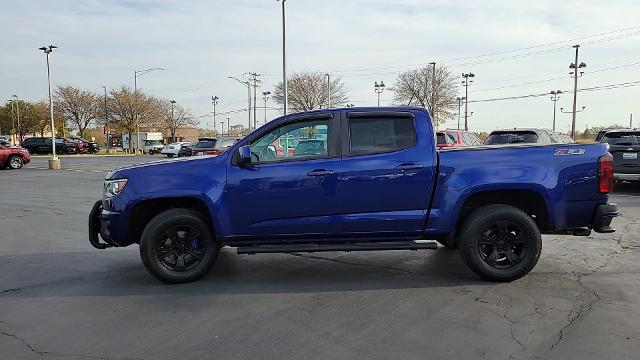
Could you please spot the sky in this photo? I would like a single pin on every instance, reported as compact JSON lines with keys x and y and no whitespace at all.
{"x":514,"y":48}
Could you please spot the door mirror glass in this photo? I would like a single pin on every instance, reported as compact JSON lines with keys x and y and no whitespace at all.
{"x":244,"y":155}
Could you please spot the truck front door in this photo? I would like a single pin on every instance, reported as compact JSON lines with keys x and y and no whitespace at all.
{"x":288,"y":193}
{"x":388,"y":172}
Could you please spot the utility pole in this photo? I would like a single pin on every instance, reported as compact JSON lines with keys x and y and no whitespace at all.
{"x":554,"y":97}
{"x":574,"y":72}
{"x":172,"y":128}
{"x":248,"y":85}
{"x":228,"y":126}
{"x":106,"y":119}
{"x":466,"y":82}
{"x":136,"y":74}
{"x":433,"y":93}
{"x":630,"y":121}
{"x":328,"y":90}
{"x":459,"y":99}
{"x":265,"y":97}
{"x":214,"y":102}
{"x":379,"y":89}
{"x":254,"y":82}
{"x":222,"y":128}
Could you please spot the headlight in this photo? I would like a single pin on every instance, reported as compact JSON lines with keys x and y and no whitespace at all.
{"x":114,"y":187}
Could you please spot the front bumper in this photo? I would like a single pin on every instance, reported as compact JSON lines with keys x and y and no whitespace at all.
{"x":626,"y":177}
{"x":95,"y":222}
{"x":602,"y":219}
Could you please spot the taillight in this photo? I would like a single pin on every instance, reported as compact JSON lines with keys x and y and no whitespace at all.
{"x":213,"y":152}
{"x":605,"y":173}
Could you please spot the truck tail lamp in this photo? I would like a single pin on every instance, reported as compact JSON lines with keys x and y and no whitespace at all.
{"x":605,"y":173}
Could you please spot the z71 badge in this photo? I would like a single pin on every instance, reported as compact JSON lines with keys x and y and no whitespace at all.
{"x":569,"y":152}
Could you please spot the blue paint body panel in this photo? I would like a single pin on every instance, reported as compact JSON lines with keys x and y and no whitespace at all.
{"x":365,"y":196}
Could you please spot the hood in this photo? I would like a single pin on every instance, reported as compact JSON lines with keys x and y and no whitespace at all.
{"x":174,"y":166}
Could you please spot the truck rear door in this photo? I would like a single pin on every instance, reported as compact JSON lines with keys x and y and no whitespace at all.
{"x":387,"y":173}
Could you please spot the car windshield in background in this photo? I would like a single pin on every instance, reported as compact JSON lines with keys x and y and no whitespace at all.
{"x":205,"y":144}
{"x":512,"y":138}
{"x":622,"y":138}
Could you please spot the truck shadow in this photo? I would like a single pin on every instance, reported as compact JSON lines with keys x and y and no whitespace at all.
{"x":120,"y":273}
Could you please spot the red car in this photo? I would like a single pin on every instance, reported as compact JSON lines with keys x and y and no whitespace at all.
{"x":13,"y":157}
{"x":455,"y":138}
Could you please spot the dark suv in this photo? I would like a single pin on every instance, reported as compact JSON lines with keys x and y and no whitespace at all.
{"x":41,"y":145}
{"x":624,"y":145}
{"x":213,"y":146}
{"x":517,"y":136}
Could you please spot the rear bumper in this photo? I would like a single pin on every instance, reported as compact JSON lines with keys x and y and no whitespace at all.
{"x":626,"y":177}
{"x":602,"y":219}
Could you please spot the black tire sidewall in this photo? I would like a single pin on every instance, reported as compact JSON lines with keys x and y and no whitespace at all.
{"x":154,"y":232}
{"x":478,"y":221}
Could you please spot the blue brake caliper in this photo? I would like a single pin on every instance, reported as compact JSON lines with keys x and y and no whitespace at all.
{"x":194,"y":243}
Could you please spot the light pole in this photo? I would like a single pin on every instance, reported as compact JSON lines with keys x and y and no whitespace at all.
{"x":284,"y":55}
{"x":228,"y":126}
{"x":172,"y":129}
{"x":13,"y":122}
{"x":106,"y":119}
{"x":555,"y":95}
{"x":328,"y":90}
{"x":433,"y":93}
{"x":575,"y":67}
{"x":54,"y":162}
{"x":460,"y":100}
{"x":214,"y":102}
{"x":17,"y":101}
{"x":136,"y":74}
{"x":466,"y":82}
{"x":379,"y":89}
{"x":265,"y":97}
{"x":248,"y":85}
{"x":222,"y":128}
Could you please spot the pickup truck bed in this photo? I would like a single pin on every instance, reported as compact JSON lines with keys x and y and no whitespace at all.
{"x":374,"y":176}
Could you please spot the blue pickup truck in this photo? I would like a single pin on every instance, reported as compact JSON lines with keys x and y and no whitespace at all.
{"x":355,"y":179}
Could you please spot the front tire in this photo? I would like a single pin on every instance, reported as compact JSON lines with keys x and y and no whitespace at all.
{"x":15,"y":162}
{"x":178,"y":246}
{"x":500,"y":242}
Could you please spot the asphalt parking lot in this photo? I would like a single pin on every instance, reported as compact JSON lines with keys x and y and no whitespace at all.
{"x":61,"y":298}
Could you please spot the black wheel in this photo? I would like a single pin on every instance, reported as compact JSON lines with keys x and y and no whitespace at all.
{"x":15,"y":162}
{"x":500,"y":242}
{"x":170,"y":155}
{"x":150,"y":152}
{"x":178,"y":246}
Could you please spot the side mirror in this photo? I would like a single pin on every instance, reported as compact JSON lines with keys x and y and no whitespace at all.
{"x":244,"y":155}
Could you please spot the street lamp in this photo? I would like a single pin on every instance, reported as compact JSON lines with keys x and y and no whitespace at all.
{"x":173,"y":135}
{"x":214,"y":102}
{"x":460,"y":100}
{"x":136,"y":74}
{"x":54,"y":162}
{"x":284,"y":54}
{"x":248,"y":85}
{"x":222,"y":128}
{"x":379,"y":89}
{"x":554,"y":97}
{"x":17,"y":101}
{"x":466,"y":83}
{"x":265,"y":97}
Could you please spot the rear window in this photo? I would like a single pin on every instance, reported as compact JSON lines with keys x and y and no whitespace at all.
{"x":622,"y":138}
{"x":205,"y":144}
{"x":380,"y":135}
{"x":512,"y":138}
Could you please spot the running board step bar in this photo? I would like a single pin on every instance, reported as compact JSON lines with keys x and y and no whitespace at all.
{"x":310,"y":248}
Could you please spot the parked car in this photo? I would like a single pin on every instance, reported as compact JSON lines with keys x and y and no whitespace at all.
{"x":515,"y":136}
{"x":382,"y":185}
{"x":90,"y":147}
{"x":79,"y":145}
{"x":624,"y":145}
{"x":153,"y":146}
{"x":455,"y":138}
{"x":213,"y":146}
{"x":173,"y":149}
{"x":42,"y":145}
{"x":5,"y":140}
{"x":13,"y":157}
{"x":185,"y":150}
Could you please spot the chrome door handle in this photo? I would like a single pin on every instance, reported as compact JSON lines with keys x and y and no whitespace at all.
{"x":320,"y":172}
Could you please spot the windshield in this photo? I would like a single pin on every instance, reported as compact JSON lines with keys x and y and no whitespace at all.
{"x":622,"y":138}
{"x":205,"y":144}
{"x":512,"y":138}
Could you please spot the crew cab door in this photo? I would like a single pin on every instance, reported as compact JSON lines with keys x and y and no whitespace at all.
{"x":289,"y":193}
{"x":389,"y":168}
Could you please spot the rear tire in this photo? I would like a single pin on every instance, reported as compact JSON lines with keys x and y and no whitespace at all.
{"x":177,"y":246}
{"x":500,"y":242}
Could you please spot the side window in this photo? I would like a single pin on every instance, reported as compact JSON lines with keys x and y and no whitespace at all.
{"x":303,"y":140}
{"x":380,"y":135}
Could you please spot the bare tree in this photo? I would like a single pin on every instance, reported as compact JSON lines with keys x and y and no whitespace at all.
{"x":181,"y":117}
{"x":415,"y":87}
{"x":308,"y":91}
{"x":79,"y":107}
{"x":124,"y":105}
